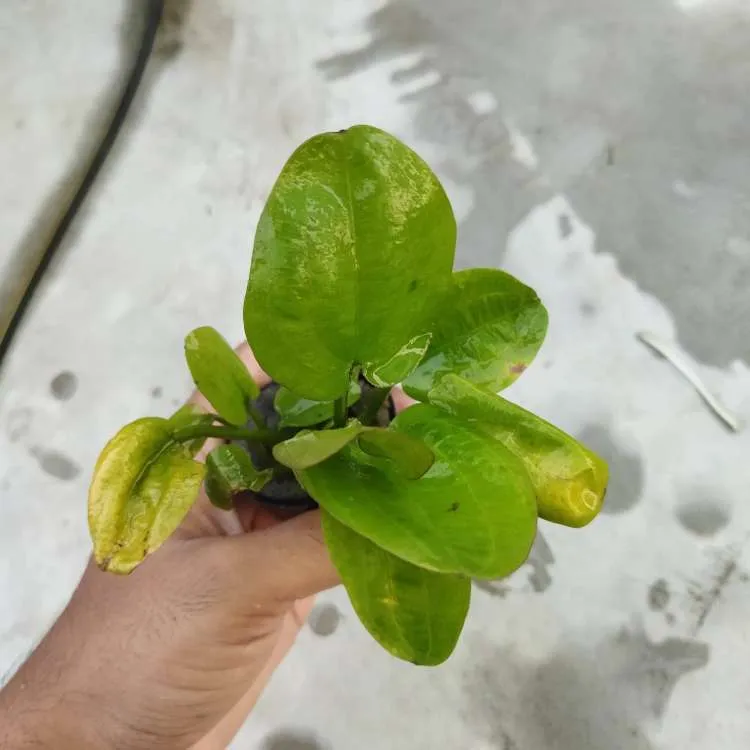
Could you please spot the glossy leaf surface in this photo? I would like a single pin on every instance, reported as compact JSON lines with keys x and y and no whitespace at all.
{"x":309,"y":447}
{"x":356,"y":240}
{"x":409,"y":456}
{"x":487,"y":329}
{"x":220,"y":374}
{"x":414,"y":613}
{"x":229,"y":470}
{"x":569,"y":479}
{"x":143,"y":486}
{"x":296,"y":411}
{"x":473,"y":512}
{"x":400,"y":365}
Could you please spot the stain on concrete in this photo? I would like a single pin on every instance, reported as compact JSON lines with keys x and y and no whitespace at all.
{"x":286,"y":739}
{"x":18,"y":423}
{"x":56,"y":464}
{"x":588,"y":309}
{"x":706,"y":599}
{"x":591,"y":103}
{"x":702,"y":515}
{"x":565,"y":225}
{"x":64,"y":385}
{"x":540,"y":559}
{"x":157,"y":391}
{"x":658,"y":595}
{"x":497,"y":589}
{"x":586,"y":697}
{"x":169,"y":40}
{"x":324,"y":619}
{"x":625,"y":469}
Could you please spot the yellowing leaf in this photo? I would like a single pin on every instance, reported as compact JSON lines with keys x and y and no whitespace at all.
{"x":143,"y":486}
{"x":570,"y":480}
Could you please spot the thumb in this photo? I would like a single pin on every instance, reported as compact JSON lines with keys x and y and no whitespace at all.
{"x":286,"y":562}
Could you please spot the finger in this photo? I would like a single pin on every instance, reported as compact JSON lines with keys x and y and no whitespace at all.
{"x":400,"y":400}
{"x":286,"y":562}
{"x":245,"y":353}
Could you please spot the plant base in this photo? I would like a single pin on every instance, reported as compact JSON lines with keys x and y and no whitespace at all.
{"x":285,"y":492}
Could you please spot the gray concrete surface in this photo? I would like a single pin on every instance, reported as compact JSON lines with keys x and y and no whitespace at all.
{"x":598,"y":150}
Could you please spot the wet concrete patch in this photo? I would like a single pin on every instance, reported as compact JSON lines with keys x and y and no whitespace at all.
{"x":18,"y":423}
{"x":625,"y":469}
{"x":540,"y":559}
{"x":64,"y":385}
{"x":707,"y":597}
{"x":292,"y":740}
{"x":56,"y":464}
{"x":588,"y":309}
{"x":324,"y":619}
{"x":658,"y":595}
{"x":702,"y":515}
{"x":539,"y":578}
{"x":497,"y":589}
{"x":565,"y":225}
{"x":585,"y":697}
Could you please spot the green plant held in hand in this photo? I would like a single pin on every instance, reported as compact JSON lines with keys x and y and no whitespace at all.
{"x":352,"y":291}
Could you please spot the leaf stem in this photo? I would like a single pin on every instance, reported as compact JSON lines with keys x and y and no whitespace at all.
{"x":226,"y":432}
{"x":339,"y":411}
{"x":372,"y":403}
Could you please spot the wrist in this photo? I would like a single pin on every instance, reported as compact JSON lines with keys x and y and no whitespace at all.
{"x":32,"y":718}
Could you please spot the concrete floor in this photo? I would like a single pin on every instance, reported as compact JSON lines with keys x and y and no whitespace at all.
{"x":598,"y":150}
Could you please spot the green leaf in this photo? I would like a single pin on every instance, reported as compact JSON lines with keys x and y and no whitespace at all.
{"x":472,"y":513}
{"x":296,"y":411}
{"x":355,"y":242}
{"x":569,"y":479}
{"x":143,"y":486}
{"x":400,"y":365}
{"x":220,"y":374}
{"x":414,"y":613}
{"x":487,"y":329}
{"x":191,"y":415}
{"x":229,"y":470}
{"x":410,"y":456}
{"x":309,"y":447}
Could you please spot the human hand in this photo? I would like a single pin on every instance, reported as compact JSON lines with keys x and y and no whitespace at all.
{"x":175,"y":654}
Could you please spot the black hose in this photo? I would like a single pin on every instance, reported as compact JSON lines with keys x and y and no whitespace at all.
{"x":152,"y":18}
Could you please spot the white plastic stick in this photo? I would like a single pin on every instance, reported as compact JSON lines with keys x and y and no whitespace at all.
{"x":678,"y":362}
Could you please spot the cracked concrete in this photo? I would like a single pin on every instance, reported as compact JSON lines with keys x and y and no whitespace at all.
{"x":594,"y":148}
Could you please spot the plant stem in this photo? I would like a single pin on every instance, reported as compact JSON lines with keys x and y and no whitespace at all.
{"x":339,"y":411}
{"x":372,"y":403}
{"x":226,"y":432}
